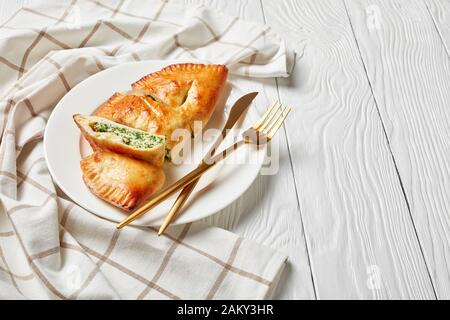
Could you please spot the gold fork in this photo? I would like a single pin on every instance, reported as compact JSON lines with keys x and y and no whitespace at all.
{"x":261,"y":132}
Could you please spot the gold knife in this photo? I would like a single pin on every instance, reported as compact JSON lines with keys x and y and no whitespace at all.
{"x":238,"y":108}
{"x":236,"y":111}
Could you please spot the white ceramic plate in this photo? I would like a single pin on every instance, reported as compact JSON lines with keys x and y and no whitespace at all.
{"x":64,"y":148}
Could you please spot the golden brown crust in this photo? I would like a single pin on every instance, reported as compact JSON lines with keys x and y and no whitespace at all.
{"x":172,"y":98}
{"x":98,"y":141}
{"x":193,"y":88}
{"x":142,"y":113}
{"x":122,"y":181}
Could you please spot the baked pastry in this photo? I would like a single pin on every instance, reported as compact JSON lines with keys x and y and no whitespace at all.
{"x":102,"y":133}
{"x":172,"y":98}
{"x":193,"y":88}
{"x":142,"y":113}
{"x":122,"y":181}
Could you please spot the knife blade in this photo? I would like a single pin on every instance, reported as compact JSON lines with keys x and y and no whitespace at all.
{"x":236,"y":112}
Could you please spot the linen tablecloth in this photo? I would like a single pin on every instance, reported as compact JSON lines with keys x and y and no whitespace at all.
{"x":50,"y":248}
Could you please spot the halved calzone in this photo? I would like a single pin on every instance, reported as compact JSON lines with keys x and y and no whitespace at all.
{"x":105,"y":134}
{"x":170,"y":99}
{"x":122,"y":181}
{"x":144,"y":114}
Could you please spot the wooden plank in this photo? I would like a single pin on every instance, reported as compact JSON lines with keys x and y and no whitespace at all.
{"x":360,"y":235}
{"x":268,"y":212}
{"x":440,"y":12}
{"x":409,"y":70}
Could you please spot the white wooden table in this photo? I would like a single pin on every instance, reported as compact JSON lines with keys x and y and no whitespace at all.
{"x":361,"y":203}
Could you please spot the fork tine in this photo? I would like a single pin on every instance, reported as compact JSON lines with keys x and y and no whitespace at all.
{"x":274,"y":128}
{"x":273,"y":120}
{"x":269,"y":120}
{"x":266,"y":114}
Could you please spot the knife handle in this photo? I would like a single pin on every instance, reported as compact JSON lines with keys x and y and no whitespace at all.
{"x":177,"y":205}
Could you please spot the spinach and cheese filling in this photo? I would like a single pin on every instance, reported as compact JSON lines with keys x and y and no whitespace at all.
{"x":136,"y":139}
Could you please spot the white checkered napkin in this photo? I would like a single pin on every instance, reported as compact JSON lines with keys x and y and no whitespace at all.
{"x":50,"y":247}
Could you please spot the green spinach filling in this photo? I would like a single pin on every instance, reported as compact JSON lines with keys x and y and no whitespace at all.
{"x":136,"y":139}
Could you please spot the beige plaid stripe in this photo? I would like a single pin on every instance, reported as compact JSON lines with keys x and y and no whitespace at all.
{"x":118,"y":30}
{"x":178,"y":45}
{"x":58,"y":20}
{"x":11,"y":18}
{"x":225,"y":270}
{"x":98,"y":63}
{"x":9,"y":105}
{"x":29,"y":107}
{"x":41,"y":34}
{"x":34,"y":138}
{"x":66,"y":11}
{"x":137,"y":16}
{"x":11,"y":65}
{"x":7,"y":234}
{"x":165,"y":261}
{"x":117,"y":9}
{"x":10,"y":132}
{"x":21,"y":207}
{"x":63,"y":220}
{"x":17,"y":85}
{"x":143,"y":31}
{"x":35,"y":184}
{"x":40,"y":14}
{"x":45,"y":253}
{"x":248,"y":46}
{"x":60,"y":74}
{"x":35,"y":269}
{"x":8,"y":174}
{"x":17,"y":276}
{"x":99,"y":263}
{"x":218,"y":261}
{"x":54,"y":40}
{"x":90,"y":34}
{"x":118,"y":266}
{"x":218,"y":37}
{"x":252,"y":61}
{"x":136,"y":57}
{"x":8,"y":271}
{"x":28,"y":51}
{"x":256,"y":59}
{"x":65,"y":214}
{"x":147,"y":26}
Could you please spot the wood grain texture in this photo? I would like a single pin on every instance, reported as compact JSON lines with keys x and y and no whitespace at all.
{"x":409,"y":70}
{"x":440,"y":13}
{"x":268,"y":212}
{"x":360,"y":235}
